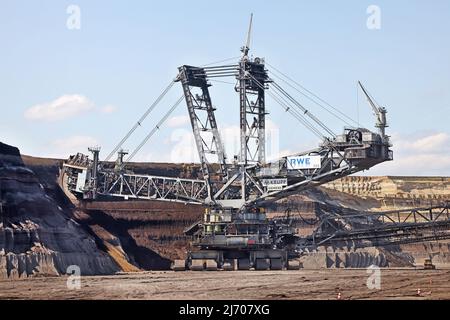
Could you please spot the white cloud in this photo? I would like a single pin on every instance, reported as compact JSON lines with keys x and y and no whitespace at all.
{"x":63,"y":107}
{"x":183,"y":147}
{"x":180,"y":145}
{"x":414,"y":154}
{"x":178,"y":121}
{"x":71,"y":145}
{"x":108,"y":109}
{"x":434,"y":143}
{"x":418,"y":155}
{"x":184,"y":150}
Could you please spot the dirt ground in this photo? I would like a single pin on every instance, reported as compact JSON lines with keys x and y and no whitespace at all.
{"x":303,"y":284}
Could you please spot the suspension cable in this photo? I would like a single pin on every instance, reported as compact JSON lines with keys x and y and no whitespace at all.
{"x":221,"y":71}
{"x":139,"y":122}
{"x":301,"y":119}
{"x":314,"y":95}
{"x":295,"y":113}
{"x":303,"y":109}
{"x":341,"y":118}
{"x":154,"y":130}
{"x":152,"y":107}
{"x":220,"y":81}
{"x":282,"y":102}
{"x":217,"y":62}
{"x":286,"y":106}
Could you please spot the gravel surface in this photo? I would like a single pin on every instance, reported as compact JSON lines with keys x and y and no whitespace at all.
{"x":303,"y":284}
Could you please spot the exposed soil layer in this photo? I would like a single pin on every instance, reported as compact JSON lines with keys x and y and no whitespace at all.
{"x":235,"y":285}
{"x":37,"y":235}
{"x":149,"y":234}
{"x":392,"y":192}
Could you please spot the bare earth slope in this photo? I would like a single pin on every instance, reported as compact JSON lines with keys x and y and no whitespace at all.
{"x":36,"y":236}
{"x":149,"y":234}
{"x":144,"y":235}
{"x":42,"y":232}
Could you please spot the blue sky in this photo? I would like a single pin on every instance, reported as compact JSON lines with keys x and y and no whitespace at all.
{"x":126,"y":52}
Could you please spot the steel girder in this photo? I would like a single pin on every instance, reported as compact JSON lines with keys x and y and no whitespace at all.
{"x":382,"y":228}
{"x":252,"y":111}
{"x":152,"y":188}
{"x":203,"y":121}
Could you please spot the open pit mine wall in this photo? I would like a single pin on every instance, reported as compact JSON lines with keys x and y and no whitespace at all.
{"x":150,"y":232}
{"x":306,"y":207}
{"x":36,"y":236}
{"x":148,"y":235}
{"x":396,"y":191}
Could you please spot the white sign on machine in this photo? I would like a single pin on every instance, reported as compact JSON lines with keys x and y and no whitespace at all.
{"x":304,"y":162}
{"x":274,"y":184}
{"x":81,"y":181}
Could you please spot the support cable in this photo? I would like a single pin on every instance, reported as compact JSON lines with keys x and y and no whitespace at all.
{"x":303,"y":109}
{"x":295,"y":113}
{"x":139,"y":122}
{"x":220,"y":81}
{"x":341,"y":118}
{"x":228,"y":66}
{"x":343,"y":115}
{"x":217,"y":62}
{"x":154,"y":130}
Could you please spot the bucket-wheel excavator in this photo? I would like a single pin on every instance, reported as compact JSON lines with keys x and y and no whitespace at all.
{"x":235,"y":232}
